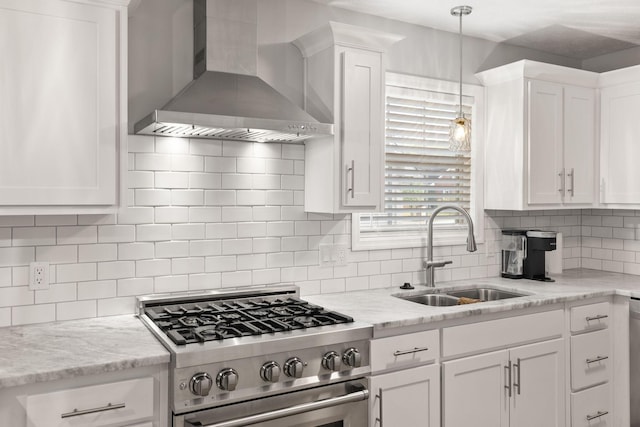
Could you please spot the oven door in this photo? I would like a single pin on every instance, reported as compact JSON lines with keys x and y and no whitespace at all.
{"x":336,"y":405}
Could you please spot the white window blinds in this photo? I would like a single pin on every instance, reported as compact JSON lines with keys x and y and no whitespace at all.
{"x":421,"y":173}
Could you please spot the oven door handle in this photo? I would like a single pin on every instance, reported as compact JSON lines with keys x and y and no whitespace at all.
{"x":285,"y":412}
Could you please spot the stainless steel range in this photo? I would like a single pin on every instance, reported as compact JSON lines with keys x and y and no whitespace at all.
{"x":260,"y":356}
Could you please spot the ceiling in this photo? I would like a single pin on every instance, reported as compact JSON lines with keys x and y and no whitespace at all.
{"x":579,"y":29}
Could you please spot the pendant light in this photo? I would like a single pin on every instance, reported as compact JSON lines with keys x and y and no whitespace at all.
{"x":460,"y":128}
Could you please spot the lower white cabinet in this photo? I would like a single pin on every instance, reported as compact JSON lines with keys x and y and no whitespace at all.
{"x":518,"y":387}
{"x":406,"y":398}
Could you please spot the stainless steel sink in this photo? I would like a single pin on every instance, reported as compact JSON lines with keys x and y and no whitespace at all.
{"x":451,"y":297}
{"x":439,"y":300}
{"x":484,"y":294}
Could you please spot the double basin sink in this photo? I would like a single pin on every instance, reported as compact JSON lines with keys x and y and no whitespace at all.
{"x":460,"y":296}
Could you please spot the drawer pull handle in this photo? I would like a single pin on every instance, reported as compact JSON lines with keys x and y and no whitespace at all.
{"x":508,"y":375}
{"x":516,"y":383}
{"x":598,"y":317}
{"x":77,"y":412}
{"x":380,"y":401}
{"x":597,"y":415}
{"x":597,"y":359}
{"x":415,"y":350}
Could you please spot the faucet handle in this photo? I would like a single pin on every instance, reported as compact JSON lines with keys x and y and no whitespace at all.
{"x":433,"y":264}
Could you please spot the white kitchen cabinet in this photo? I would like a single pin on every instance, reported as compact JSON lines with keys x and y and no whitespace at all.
{"x":405,"y":384}
{"x":129,"y":398}
{"x":63,"y":105}
{"x":409,"y":397}
{"x":522,"y":386}
{"x":619,"y":133}
{"x":540,"y":142}
{"x":344,"y":85}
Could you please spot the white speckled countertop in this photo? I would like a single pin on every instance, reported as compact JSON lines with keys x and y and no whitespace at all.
{"x":52,"y":351}
{"x":382,"y":310}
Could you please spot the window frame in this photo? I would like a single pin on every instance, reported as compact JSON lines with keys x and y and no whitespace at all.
{"x":443,"y":236}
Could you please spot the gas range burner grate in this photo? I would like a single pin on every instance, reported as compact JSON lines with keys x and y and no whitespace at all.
{"x":187,"y":323}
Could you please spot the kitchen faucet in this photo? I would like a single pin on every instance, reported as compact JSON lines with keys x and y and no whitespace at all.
{"x":430,"y":265}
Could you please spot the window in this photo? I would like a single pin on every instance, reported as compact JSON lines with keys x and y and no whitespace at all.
{"x":421,"y":173}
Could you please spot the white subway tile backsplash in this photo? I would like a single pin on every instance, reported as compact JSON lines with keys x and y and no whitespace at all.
{"x":153,"y":232}
{"x":5,"y":276}
{"x":136,"y":286}
{"x":57,"y":254}
{"x":306,"y":258}
{"x":265,"y":182}
{"x":292,"y":182}
{"x":171,"y":214}
{"x":268,"y":151}
{"x":204,"y":214}
{"x":171,"y":249}
{"x":237,"y":214}
{"x":116,"y":233}
{"x":205,"y":180}
{"x":76,"y":310}
{"x":187,"y":197}
{"x":281,"y":229}
{"x":204,"y":281}
{"x":141,"y":144}
{"x":266,"y":213}
{"x":250,"y":197}
{"x":134,"y":251}
{"x":221,"y":231}
{"x":152,"y":197}
{"x":152,"y":267}
{"x":187,"y":265}
{"x":5,"y":317}
{"x":140,"y":179}
{"x":235,"y":278}
{"x":17,"y":221}
{"x":171,"y":284}
{"x":218,"y":264}
{"x":220,"y":164}
{"x":205,"y":147}
{"x":250,"y":165}
{"x":30,"y":314}
{"x":76,"y":272}
{"x":237,"y":246}
{"x":203,"y":248}
{"x":187,"y":231}
{"x":135,"y":215}
{"x":266,"y":276}
{"x":235,"y":181}
{"x":279,"y":167}
{"x":55,"y":220}
{"x":33,"y":236}
{"x":152,"y":162}
{"x":116,"y":306}
{"x":279,"y":197}
{"x":219,"y":197}
{"x":16,"y":295}
{"x":116,"y":270}
{"x":295,"y":152}
{"x":187,"y":163}
{"x":252,"y":229}
{"x":5,"y":237}
{"x":16,"y":256}
{"x":96,"y":290}
{"x":171,"y":180}
{"x":56,"y":293}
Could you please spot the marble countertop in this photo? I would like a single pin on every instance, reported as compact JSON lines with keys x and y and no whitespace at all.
{"x":381,"y":309}
{"x":52,"y":351}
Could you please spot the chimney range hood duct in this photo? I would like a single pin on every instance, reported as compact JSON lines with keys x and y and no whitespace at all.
{"x":228,"y":105}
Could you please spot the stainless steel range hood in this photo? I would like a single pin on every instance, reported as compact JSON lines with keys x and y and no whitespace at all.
{"x":219,"y":104}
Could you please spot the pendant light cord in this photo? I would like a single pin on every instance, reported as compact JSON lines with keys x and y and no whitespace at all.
{"x":461,"y":64}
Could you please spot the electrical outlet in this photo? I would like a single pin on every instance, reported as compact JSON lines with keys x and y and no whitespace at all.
{"x":340,"y":254}
{"x":38,"y":275}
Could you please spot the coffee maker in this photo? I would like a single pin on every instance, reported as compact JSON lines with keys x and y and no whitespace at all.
{"x":523,"y":253}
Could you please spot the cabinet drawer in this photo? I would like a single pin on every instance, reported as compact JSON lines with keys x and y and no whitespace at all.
{"x":482,"y":336}
{"x":590,"y":317}
{"x":592,"y":407}
{"x":404,"y":350}
{"x":100,"y":405}
{"x":590,"y":359}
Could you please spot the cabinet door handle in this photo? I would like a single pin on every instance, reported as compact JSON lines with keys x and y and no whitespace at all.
{"x":598,"y":317}
{"x":597,"y":359}
{"x":508,"y":375}
{"x":380,"y":411}
{"x":597,"y":415}
{"x":561,"y":175}
{"x":352,"y":169}
{"x":573,"y":182}
{"x":517,"y":384}
{"x":77,"y":412}
{"x":415,"y":350}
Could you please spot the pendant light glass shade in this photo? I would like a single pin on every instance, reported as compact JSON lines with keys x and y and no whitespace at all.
{"x":460,"y":128}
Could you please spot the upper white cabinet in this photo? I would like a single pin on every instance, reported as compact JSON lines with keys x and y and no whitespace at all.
{"x":540,"y":143}
{"x":619,"y":133}
{"x":345,"y":86}
{"x":63,"y":105}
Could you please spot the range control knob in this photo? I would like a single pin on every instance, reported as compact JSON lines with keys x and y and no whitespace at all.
{"x":293,"y":367}
{"x":270,"y":372}
{"x":200,"y":384}
{"x":227,"y":379}
{"x":331,"y":361}
{"x":352,"y":357}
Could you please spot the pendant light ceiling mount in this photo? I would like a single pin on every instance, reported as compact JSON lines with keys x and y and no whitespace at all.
{"x":460,"y":128}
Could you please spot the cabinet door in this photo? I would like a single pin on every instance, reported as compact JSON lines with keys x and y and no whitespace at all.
{"x":474,"y":391}
{"x":362,"y":131}
{"x":538,"y":385}
{"x":545,"y":163}
{"x":579,"y":144}
{"x":406,"y":398}
{"x":58,"y":109}
{"x":619,"y":148}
